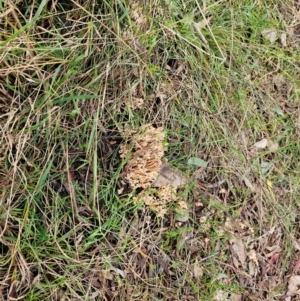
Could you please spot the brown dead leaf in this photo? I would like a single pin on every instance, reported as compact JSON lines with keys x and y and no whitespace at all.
{"x":239,"y":249}
{"x":197,"y":270}
{"x":273,"y":259}
{"x":163,"y":265}
{"x":168,"y":176}
{"x":248,"y":184}
{"x":253,"y":266}
{"x":272,"y":146}
{"x":96,"y":282}
{"x":118,"y":271}
{"x":13,"y":295}
{"x":252,"y":269}
{"x":36,"y":281}
{"x":220,"y":295}
{"x":293,"y":286}
{"x":283,"y":39}
{"x":273,"y":250}
{"x":261,"y":144}
{"x":270,"y":34}
{"x":99,"y":279}
{"x":296,"y":267}
{"x":278,"y":81}
{"x":235,"y":297}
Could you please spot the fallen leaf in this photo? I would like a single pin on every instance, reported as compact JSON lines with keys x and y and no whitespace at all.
{"x":261,"y":144}
{"x":248,"y":184}
{"x":163,"y":263}
{"x":278,"y":81}
{"x":118,"y":271}
{"x":273,"y":258}
{"x":197,"y":161}
{"x":278,"y":111}
{"x":297,"y":245}
{"x":270,"y":34}
{"x":283,"y":39}
{"x":220,"y":295}
{"x":269,"y":184}
{"x":37,"y":281}
{"x":96,"y":282}
{"x":168,"y":176}
{"x":197,"y":271}
{"x":235,"y":297}
{"x":252,"y":269}
{"x":294,"y":282}
{"x":274,"y":249}
{"x":296,"y":267}
{"x":239,"y":249}
{"x":266,"y":167}
{"x":13,"y":291}
{"x":272,"y":146}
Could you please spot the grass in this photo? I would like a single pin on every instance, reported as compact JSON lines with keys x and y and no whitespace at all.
{"x":74,"y":75}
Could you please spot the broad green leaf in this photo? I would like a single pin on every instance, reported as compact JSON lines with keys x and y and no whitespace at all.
{"x":197,"y":161}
